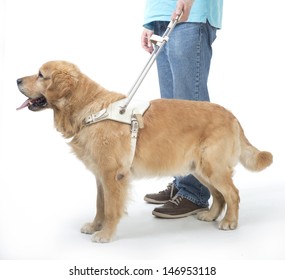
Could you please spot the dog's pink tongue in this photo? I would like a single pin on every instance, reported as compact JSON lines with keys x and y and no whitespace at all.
{"x":25,"y":104}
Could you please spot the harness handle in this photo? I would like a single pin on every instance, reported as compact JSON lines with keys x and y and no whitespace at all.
{"x":159,"y":43}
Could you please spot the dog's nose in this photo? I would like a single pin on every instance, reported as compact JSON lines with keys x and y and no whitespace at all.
{"x":19,"y":81}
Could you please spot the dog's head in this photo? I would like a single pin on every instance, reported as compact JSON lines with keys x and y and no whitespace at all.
{"x":51,"y":87}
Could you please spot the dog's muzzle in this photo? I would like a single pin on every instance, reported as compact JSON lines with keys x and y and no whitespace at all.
{"x":34,"y":104}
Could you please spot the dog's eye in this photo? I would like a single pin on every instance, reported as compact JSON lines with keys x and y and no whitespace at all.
{"x":40,"y":75}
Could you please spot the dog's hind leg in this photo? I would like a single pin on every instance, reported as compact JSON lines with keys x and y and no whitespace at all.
{"x":204,"y":174}
{"x":216,"y":169}
{"x":223,"y":192}
{"x":225,"y":186}
{"x":96,"y":225}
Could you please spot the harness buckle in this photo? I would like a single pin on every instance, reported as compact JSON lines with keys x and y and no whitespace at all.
{"x":95,"y":117}
{"x":134,"y":127}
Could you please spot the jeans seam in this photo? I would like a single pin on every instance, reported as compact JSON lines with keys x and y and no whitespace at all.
{"x":198,"y":65}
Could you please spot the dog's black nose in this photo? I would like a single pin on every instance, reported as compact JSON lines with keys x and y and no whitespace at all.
{"x":19,"y":81}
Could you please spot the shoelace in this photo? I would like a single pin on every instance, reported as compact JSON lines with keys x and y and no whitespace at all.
{"x":169,"y":187}
{"x":176,"y":200}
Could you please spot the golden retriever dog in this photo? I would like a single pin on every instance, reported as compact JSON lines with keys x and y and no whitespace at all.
{"x":178,"y":138}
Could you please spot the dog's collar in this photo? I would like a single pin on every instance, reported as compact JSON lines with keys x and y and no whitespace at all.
{"x":132,"y":116}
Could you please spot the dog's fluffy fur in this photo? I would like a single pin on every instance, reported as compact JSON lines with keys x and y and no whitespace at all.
{"x":179,"y":137}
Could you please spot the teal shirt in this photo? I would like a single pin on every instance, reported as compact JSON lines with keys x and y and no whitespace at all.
{"x":201,"y":11}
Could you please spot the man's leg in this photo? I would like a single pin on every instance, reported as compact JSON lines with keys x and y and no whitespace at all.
{"x":187,"y":56}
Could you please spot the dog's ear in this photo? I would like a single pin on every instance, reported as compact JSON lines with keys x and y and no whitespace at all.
{"x":62,"y":84}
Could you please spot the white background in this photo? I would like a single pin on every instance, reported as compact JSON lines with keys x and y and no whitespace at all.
{"x":46,"y":194}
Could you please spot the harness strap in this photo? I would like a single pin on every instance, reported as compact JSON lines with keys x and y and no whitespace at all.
{"x":134,"y":137}
{"x":132,"y":116}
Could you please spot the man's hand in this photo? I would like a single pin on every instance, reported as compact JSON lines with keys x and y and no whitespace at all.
{"x":145,"y":40}
{"x":182,"y":5}
{"x":185,"y":6}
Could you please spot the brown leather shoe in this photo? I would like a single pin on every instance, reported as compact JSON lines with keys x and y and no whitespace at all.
{"x":177,"y":207}
{"x":162,"y":196}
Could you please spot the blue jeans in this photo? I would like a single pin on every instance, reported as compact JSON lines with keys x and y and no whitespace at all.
{"x":183,"y":67}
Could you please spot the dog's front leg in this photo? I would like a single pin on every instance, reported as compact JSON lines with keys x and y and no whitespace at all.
{"x":115,"y":186}
{"x":97,"y":224}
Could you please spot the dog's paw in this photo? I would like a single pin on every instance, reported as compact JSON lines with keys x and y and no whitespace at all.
{"x":205,"y":216}
{"x":88,"y":228}
{"x":227,"y":225}
{"x":101,"y":237}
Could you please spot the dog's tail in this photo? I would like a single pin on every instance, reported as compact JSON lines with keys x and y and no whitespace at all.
{"x":250,"y":157}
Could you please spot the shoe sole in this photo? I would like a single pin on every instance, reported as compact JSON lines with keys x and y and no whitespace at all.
{"x":153,"y":201}
{"x":168,"y":216}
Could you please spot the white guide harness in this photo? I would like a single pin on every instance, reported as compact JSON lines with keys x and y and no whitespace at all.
{"x":132,"y":116}
{"x":122,"y":111}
